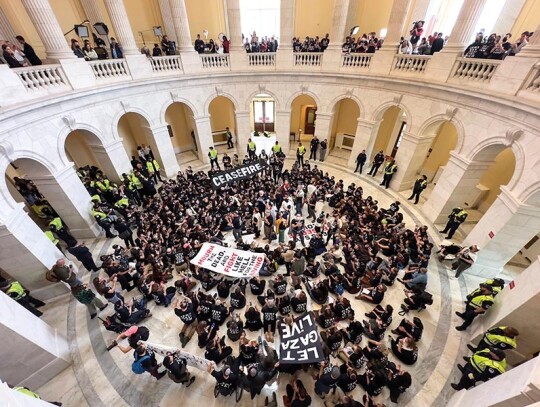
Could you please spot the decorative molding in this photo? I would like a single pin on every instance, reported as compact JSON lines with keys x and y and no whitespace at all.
{"x":451,"y":112}
{"x":174,"y":96}
{"x":397,"y":99}
{"x":125,"y":105}
{"x":349,"y":92}
{"x":70,"y":121}
{"x":304,"y":89}
{"x":219,"y":90}
{"x":512,"y":135}
{"x":262,"y":88}
{"x":6,"y":149}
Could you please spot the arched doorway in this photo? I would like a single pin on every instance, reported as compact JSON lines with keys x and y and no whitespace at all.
{"x":222,"y":115}
{"x":85,"y":148}
{"x":344,"y":122}
{"x":263,"y":113}
{"x":391,"y":130}
{"x":134,"y":130}
{"x":182,"y":129}
{"x":30,"y":182}
{"x":303,"y":119}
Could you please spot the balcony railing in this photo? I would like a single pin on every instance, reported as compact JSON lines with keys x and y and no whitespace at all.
{"x":45,"y":77}
{"x":215,"y":61}
{"x":308,"y":58}
{"x":172,"y":63}
{"x":480,"y":70}
{"x":110,"y":70}
{"x":356,"y":61}
{"x":262,"y":59}
{"x":411,"y":63}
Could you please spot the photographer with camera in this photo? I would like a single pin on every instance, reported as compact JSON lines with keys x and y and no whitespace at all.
{"x":416,"y":33}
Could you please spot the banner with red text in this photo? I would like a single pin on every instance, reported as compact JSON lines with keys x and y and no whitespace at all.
{"x":231,"y":262}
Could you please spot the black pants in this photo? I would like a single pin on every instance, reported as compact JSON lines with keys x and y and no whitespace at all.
{"x":30,"y":303}
{"x":129,"y":241}
{"x":230,"y":143}
{"x":89,"y":264}
{"x":468,"y":316}
{"x":252,"y":154}
{"x":359,"y":165}
{"x":106,"y":226}
{"x":386,"y":180}
{"x":374,"y":169}
{"x":214,"y":161}
{"x":313,"y":154}
{"x":466,"y":382}
{"x":300,"y":159}
{"x":451,"y":228}
{"x":416,"y":195}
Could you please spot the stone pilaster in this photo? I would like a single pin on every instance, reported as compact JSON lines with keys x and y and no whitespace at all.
{"x":122,"y":28}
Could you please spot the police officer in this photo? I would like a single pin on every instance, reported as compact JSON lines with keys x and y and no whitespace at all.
{"x":477,"y":305}
{"x":377,"y":162}
{"x":482,"y":366}
{"x":276,"y":148}
{"x":18,"y":293}
{"x":495,"y":284}
{"x":56,"y":226}
{"x":389,"y":171}
{"x":106,"y":188}
{"x":252,"y":149}
{"x":50,"y":235}
{"x":153,"y":169}
{"x":83,"y":254}
{"x":419,"y":185}
{"x":360,"y":161}
{"x":456,"y":218}
{"x":300,"y":151}
{"x":229,"y":138}
{"x":313,"y":146}
{"x":103,"y":220}
{"x":212,"y":154}
{"x":501,"y":337}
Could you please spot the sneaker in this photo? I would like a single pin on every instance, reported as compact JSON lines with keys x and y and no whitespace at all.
{"x":460,"y":328}
{"x":455,"y":386}
{"x":93,"y":316}
{"x":105,"y":306}
{"x":472,"y":348}
{"x":191,"y":381}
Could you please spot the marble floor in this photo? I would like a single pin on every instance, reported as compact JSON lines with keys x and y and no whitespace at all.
{"x":99,"y":378}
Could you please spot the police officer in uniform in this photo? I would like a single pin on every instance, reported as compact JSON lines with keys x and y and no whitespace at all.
{"x":212,"y":154}
{"x":56,"y":226}
{"x":482,"y":366}
{"x":18,"y":293}
{"x":103,"y":220}
{"x":389,"y":170}
{"x":501,"y":337}
{"x":153,"y":169}
{"x":252,"y":149}
{"x":377,"y":162}
{"x":475,"y":306}
{"x":313,"y":146}
{"x":419,"y":185}
{"x":360,"y":161}
{"x":276,"y":148}
{"x":495,"y":284}
{"x":456,"y":218}
{"x":300,"y":151}
{"x":50,"y":235}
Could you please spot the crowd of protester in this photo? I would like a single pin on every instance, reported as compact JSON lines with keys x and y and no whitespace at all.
{"x":353,"y":256}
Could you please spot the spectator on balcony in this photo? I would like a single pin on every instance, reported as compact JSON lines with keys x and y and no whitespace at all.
{"x":498,"y":51}
{"x":405,"y":47}
{"x":506,"y":43}
{"x":472,"y":51}
{"x":432,"y":38}
{"x":199,"y":44}
{"x":485,"y":49}
{"x":212,"y":47}
{"x":28,"y":51}
{"x":156,"y":51}
{"x":347,"y":45}
{"x":416,"y":33}
{"x":165,"y":47}
{"x":89,"y":53}
{"x":438,"y":43}
{"x":9,"y":57}
{"x":226,"y":45}
{"x":372,"y":45}
{"x":519,"y":44}
{"x":424,"y":48}
{"x":76,"y":48}
{"x":325,"y":42}
{"x":247,"y":46}
{"x":116,"y":49}
{"x":146,"y":51}
{"x":254,"y":45}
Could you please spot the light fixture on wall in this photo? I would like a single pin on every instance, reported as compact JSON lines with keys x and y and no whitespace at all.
{"x":101,"y":28}
{"x":157,"y":31}
{"x":383,"y":32}
{"x":81,"y":30}
{"x":355,"y":30}
{"x":205,"y":33}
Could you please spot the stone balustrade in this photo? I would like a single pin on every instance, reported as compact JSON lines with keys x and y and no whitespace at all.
{"x":38,"y":82}
{"x":215,"y":61}
{"x":110,"y":70}
{"x":473,"y":69}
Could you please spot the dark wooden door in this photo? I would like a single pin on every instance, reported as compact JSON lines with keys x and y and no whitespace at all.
{"x":311,"y":116}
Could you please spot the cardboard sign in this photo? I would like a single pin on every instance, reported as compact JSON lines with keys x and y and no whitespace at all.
{"x":231,"y":262}
{"x":309,"y":231}
{"x":300,"y":343}
{"x":238,"y":173}
{"x":191,"y":359}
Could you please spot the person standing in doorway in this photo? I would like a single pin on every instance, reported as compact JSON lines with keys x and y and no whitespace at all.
{"x":213,"y":155}
{"x":377,"y":162}
{"x":360,"y":161}
{"x":313,"y":146}
{"x":389,"y":170}
{"x":324,"y":146}
{"x":419,"y":185}
{"x":229,"y":138}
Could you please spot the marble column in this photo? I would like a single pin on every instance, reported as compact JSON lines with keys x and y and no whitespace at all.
{"x":122,"y":28}
{"x":203,"y":136}
{"x":339,"y":20}
{"x":113,"y":159}
{"x":417,"y":13}
{"x":42,"y":16}
{"x":463,"y":31}
{"x":286,"y":23}
{"x":364,"y":139}
{"x":532,"y":49}
{"x":165,"y":150}
{"x":26,"y":253}
{"x":181,"y":25}
{"x":168,"y":22}
{"x":410,"y":157}
{"x":455,"y":187}
{"x":282,"y":129}
{"x":68,"y":196}
{"x":6,"y":29}
{"x":511,"y":223}
{"x":352,"y":14}
{"x":235,"y":25}
{"x":323,"y":126}
{"x":93,"y":13}
{"x":32,"y":351}
{"x":508,"y":16}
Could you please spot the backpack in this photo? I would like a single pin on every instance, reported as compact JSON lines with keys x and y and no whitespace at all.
{"x":50,"y":276}
{"x":136,"y":366}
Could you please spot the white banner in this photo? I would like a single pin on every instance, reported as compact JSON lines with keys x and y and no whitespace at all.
{"x":231,"y":262}
{"x":191,"y":359}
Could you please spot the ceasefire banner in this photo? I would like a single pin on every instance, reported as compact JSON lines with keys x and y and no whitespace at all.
{"x":300,"y":343}
{"x":238,"y":173}
{"x":231,"y":262}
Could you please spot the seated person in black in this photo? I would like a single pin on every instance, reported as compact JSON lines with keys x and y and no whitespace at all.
{"x":224,"y":288}
{"x":219,"y":313}
{"x":248,"y":350}
{"x":353,"y":333}
{"x":398,"y":381}
{"x":354,"y":356}
{"x":206,"y":333}
{"x":253,"y":319}
{"x":284,"y":305}
{"x":132,"y":313}
{"x":412,"y":329}
{"x":372,"y":294}
{"x":217,"y":350}
{"x":226,"y":380}
{"x":372,"y":381}
{"x":382,"y":313}
{"x":312,"y":269}
{"x":177,"y":368}
{"x":279,"y":285}
{"x":235,"y":327}
{"x":405,"y":350}
{"x":299,"y":302}
{"x":238,"y":297}
{"x":257,"y":285}
{"x":325,"y":318}
{"x":319,"y":293}
{"x":347,"y":379}
{"x":333,"y":338}
{"x":204,"y":308}
{"x":298,"y":395}
{"x":374,"y":329}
